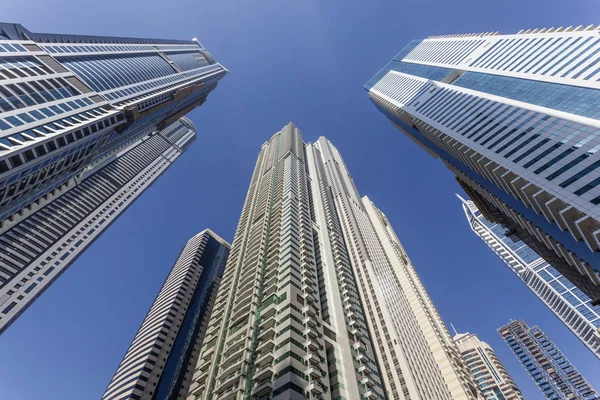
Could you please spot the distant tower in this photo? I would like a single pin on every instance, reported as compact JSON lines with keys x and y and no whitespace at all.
{"x":159,"y":362}
{"x":554,"y":374}
{"x":557,"y":292}
{"x":319,"y":299}
{"x":87,"y":123}
{"x":488,"y":372}
{"x":516,"y":118}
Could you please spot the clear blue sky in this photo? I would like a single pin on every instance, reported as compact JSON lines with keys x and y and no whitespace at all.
{"x":302,"y":61}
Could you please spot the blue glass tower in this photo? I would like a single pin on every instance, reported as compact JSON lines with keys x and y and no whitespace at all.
{"x":516,"y":118}
{"x":159,"y":362}
{"x":554,"y":374}
{"x":560,"y":295}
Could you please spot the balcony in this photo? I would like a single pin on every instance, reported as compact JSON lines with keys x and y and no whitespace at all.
{"x":364,"y":370}
{"x":264,"y":360}
{"x":313,"y":345}
{"x":228,"y":385}
{"x":310,"y":322}
{"x":315,"y":373}
{"x":371,"y":395}
{"x":262,"y":389}
{"x":234,"y":393}
{"x":235,"y":347}
{"x":233,"y":361}
{"x":208,"y":353}
{"x":367,"y":382}
{"x":242,"y":312}
{"x":265,"y":346}
{"x":315,"y":389}
{"x":267,"y":323}
{"x":313,"y":333}
{"x":268,"y":312}
{"x":266,"y":334}
{"x":309,"y":288}
{"x":314,"y":359}
{"x":263,"y":373}
{"x":308,"y":310}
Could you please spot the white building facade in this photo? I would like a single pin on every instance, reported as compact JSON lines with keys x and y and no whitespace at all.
{"x":517,"y":119}
{"x":488,"y":372}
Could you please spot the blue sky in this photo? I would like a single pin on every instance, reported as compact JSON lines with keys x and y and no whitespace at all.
{"x":301,"y":61}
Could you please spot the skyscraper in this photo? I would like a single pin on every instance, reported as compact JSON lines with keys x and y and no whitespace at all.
{"x":289,"y":321}
{"x":160,"y":361}
{"x":83,"y":120}
{"x":565,"y":300}
{"x":68,"y":100}
{"x":556,"y":377}
{"x":516,"y":118}
{"x":488,"y":372}
{"x":38,"y":249}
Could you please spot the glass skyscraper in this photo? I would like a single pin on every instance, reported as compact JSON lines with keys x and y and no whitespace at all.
{"x":319,"y":299}
{"x":561,"y":296}
{"x":159,"y":362}
{"x":86,"y":124}
{"x":516,"y":118}
{"x":552,"y":372}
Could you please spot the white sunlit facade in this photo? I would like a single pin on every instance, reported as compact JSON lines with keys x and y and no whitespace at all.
{"x":87,"y":123}
{"x":488,"y":372}
{"x":517,"y":118}
{"x":318,"y":299}
{"x":559,"y":294}
{"x":38,"y":249}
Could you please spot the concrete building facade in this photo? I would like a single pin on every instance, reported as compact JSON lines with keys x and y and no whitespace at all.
{"x":487,"y":370}
{"x":311,"y":303}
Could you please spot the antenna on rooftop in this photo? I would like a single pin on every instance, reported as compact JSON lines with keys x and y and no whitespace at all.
{"x":454,"y":329}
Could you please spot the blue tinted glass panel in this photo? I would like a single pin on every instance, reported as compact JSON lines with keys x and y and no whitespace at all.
{"x":571,"y":99}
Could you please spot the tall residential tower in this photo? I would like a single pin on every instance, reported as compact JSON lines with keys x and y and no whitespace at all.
{"x":318,"y":299}
{"x":554,"y":374}
{"x":160,"y":361}
{"x":565,"y":300}
{"x":516,"y":118}
{"x":85,"y":123}
{"x":488,"y":371}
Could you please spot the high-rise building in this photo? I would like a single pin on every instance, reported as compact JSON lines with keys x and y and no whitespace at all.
{"x":289,"y":321}
{"x":38,"y":249}
{"x":516,"y":119}
{"x":487,"y":370}
{"x":68,"y":100}
{"x":83,"y":119}
{"x":160,"y":361}
{"x":561,"y":296}
{"x":554,"y":374}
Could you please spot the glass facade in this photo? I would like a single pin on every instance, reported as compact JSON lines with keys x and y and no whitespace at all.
{"x":569,"y":303}
{"x":72,"y":108}
{"x":213,"y":260}
{"x":159,"y":362}
{"x":517,"y":119}
{"x":66,"y":101}
{"x":552,"y":372}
